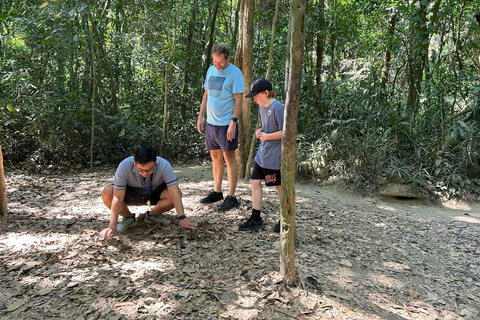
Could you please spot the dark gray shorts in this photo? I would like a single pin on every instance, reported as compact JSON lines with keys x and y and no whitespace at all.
{"x":216,"y":138}
{"x":271,"y":177}
{"x":134,"y":196}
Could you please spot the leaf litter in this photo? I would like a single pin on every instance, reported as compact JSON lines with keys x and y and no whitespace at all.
{"x":356,"y":258}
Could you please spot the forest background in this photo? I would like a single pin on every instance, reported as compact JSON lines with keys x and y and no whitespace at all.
{"x":390,"y":89}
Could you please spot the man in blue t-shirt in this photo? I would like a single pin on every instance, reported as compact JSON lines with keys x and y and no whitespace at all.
{"x":139,"y":180}
{"x":222,"y":103}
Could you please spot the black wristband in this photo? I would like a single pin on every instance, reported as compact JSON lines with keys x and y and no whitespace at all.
{"x":181,"y":217}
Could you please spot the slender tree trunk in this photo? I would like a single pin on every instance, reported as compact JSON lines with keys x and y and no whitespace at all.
{"x":272,"y":38}
{"x":239,"y":53}
{"x":426,"y":62}
{"x":235,"y":30}
{"x":289,"y":138}
{"x":105,"y":58}
{"x":417,"y":59}
{"x":86,"y":85}
{"x":60,"y":85}
{"x":267,"y":74}
{"x":208,"y":53}
{"x":92,"y":138}
{"x":191,"y":28}
{"x":477,"y":17}
{"x":246,"y":47}
{"x":166,"y":86}
{"x":165,"y":108}
{"x":3,"y":188}
{"x":388,"y":49}
{"x":321,"y":35}
{"x":72,"y":56}
{"x":457,"y":56}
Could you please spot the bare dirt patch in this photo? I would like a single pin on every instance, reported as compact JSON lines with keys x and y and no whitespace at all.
{"x":358,"y":257}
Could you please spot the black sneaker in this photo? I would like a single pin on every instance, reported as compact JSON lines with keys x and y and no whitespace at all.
{"x":212,"y":197}
{"x":251,"y":225}
{"x":276,"y":229}
{"x":229,"y":203}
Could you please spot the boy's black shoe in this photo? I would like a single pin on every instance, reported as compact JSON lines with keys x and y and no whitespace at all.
{"x":276,"y":229}
{"x":251,"y":224}
{"x":229,"y":203}
{"x":212,"y":197}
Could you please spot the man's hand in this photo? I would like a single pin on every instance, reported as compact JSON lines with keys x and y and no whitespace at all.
{"x":200,"y":122}
{"x":108,"y":232}
{"x":187,"y":224}
{"x":232,"y":127}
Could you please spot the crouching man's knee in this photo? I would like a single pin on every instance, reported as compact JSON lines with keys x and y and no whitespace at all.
{"x":107,"y":195}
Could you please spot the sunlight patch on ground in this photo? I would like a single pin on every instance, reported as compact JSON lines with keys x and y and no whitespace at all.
{"x":396,"y":265}
{"x":385,"y":302}
{"x":386,"y":207}
{"x":457,"y":205}
{"x":244,"y":307}
{"x":343,"y":278}
{"x":30,"y":240}
{"x":386,"y":281}
{"x":142,"y":265}
{"x":381,"y":225}
{"x":468,"y":219}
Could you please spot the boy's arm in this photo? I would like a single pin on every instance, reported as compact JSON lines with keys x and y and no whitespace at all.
{"x":277,"y":135}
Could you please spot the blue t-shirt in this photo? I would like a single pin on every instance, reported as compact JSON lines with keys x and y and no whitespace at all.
{"x":270,"y":151}
{"x":221,"y":85}
{"x":127,"y":175}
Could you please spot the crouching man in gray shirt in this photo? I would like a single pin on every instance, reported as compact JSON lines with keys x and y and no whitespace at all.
{"x":139,"y":180}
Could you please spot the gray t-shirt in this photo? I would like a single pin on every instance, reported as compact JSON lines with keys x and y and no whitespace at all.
{"x":127,"y":175}
{"x":270,"y":151}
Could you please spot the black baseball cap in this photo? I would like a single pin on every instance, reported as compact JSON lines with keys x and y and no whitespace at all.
{"x":258,"y":86}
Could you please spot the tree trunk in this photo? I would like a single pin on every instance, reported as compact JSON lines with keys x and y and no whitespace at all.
{"x":267,"y":74}
{"x":191,"y":28}
{"x":417,"y":59}
{"x":426,"y":62}
{"x":92,"y":138}
{"x":165,"y":109}
{"x":289,"y":138}
{"x":60,"y":85}
{"x":245,"y":45}
{"x":236,"y":22}
{"x":272,"y":38}
{"x":208,"y":53}
{"x":105,"y":58}
{"x":166,"y":87}
{"x":388,"y":50}
{"x":477,"y":17}
{"x":321,"y":35}
{"x":3,"y":189}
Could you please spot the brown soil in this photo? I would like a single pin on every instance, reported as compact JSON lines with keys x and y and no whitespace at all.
{"x":358,"y":257}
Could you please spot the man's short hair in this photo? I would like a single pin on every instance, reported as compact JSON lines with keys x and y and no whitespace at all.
{"x":143,"y":155}
{"x":221,"y":48}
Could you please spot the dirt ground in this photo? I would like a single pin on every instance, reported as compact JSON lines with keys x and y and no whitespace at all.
{"x":357,"y":257}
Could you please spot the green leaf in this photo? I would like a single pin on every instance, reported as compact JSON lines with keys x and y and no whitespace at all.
{"x":43,"y":5}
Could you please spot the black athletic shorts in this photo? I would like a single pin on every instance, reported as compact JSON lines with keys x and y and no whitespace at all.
{"x":133,"y":196}
{"x":271,"y":177}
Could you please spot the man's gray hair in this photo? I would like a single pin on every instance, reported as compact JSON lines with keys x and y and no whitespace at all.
{"x":221,"y":48}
